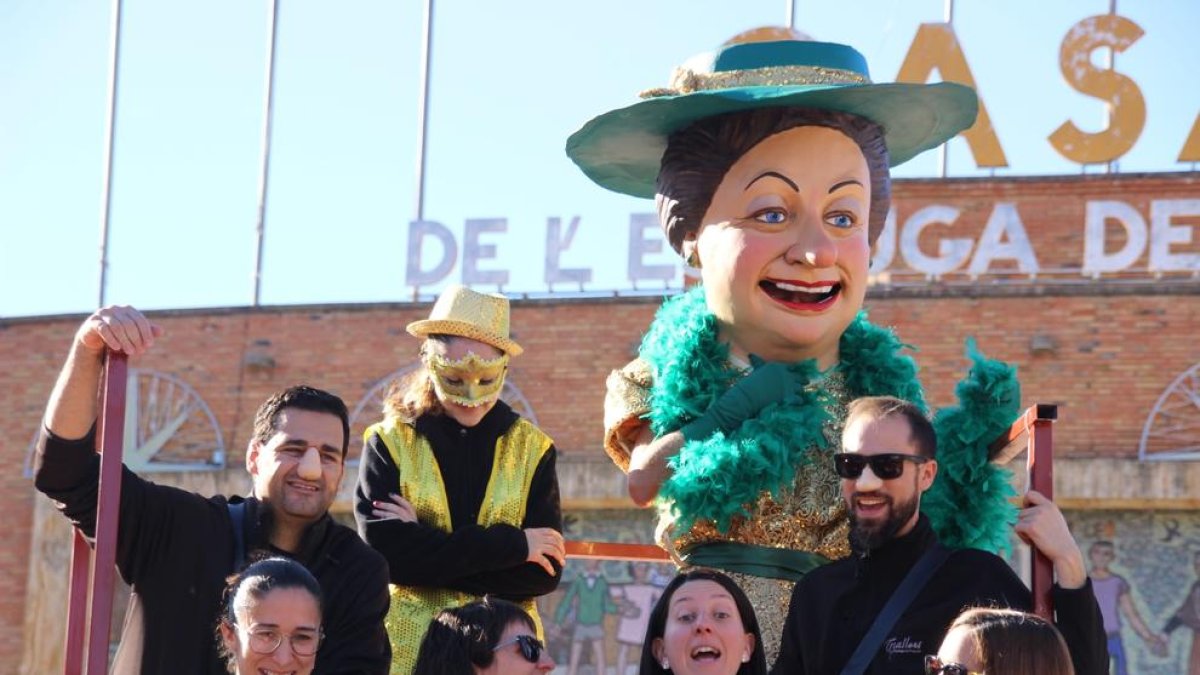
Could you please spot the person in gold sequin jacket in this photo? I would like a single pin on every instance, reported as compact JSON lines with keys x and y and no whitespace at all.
{"x":455,"y":489}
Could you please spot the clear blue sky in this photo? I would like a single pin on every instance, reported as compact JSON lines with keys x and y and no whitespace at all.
{"x":511,"y":81}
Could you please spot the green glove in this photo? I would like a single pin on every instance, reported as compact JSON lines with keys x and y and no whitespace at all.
{"x":769,"y":382}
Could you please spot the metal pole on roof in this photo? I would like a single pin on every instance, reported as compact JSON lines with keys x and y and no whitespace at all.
{"x":791,"y":13}
{"x":423,"y":114}
{"x":944,"y":150}
{"x":110,"y":139}
{"x":1111,"y":59}
{"x":265,"y":166}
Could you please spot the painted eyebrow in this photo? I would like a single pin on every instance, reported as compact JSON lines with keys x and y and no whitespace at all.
{"x":844,"y":184}
{"x":774,"y":174}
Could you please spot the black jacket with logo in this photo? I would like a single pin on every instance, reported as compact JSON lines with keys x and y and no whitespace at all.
{"x":175,"y":548}
{"x":833,"y":607}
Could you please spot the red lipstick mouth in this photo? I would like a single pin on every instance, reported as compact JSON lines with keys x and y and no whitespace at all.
{"x":802,"y":295}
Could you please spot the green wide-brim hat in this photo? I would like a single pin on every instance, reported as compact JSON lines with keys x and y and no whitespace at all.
{"x":622,"y":149}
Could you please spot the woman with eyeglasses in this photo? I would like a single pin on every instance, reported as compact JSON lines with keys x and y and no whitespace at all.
{"x":488,"y":636}
{"x":1000,"y":642}
{"x":271,"y":619}
{"x":703,"y":623}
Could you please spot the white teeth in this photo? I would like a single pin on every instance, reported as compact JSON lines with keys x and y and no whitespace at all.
{"x":785,"y":286}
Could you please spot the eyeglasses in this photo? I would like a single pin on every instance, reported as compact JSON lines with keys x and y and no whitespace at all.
{"x":266,"y":640}
{"x":531,"y":647}
{"x":934,"y":666}
{"x":886,"y":466}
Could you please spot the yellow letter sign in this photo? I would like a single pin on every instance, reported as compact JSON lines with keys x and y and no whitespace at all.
{"x":1128,"y":108}
{"x":936,"y":46}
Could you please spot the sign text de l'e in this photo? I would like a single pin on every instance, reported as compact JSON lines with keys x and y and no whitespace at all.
{"x":1110,"y":235}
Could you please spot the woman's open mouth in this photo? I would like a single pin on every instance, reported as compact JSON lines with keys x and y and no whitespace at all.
{"x":802,"y":295}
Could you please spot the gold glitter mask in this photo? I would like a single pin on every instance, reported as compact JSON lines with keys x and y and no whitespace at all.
{"x":470,"y":381}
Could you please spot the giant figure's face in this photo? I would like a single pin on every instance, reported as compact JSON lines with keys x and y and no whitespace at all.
{"x":783,"y":247}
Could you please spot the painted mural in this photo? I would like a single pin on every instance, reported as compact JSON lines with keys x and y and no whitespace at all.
{"x":599,"y":613}
{"x":1145,"y":568}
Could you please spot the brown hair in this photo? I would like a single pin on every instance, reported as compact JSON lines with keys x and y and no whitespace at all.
{"x":413,"y":395}
{"x":880,"y":407}
{"x":301,"y":397}
{"x":1010,"y":642}
{"x":698,"y":157}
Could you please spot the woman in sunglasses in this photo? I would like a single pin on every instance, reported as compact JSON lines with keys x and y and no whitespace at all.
{"x":489,"y":636}
{"x":271,"y":620}
{"x":1000,"y":642}
{"x":703,"y":623}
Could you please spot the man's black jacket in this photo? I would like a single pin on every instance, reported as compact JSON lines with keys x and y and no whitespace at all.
{"x":833,"y":607}
{"x":175,"y":548}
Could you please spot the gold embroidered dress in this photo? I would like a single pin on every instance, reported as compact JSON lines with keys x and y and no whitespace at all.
{"x":810,"y":517}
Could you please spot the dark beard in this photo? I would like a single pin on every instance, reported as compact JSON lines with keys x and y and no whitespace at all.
{"x":868,"y":537}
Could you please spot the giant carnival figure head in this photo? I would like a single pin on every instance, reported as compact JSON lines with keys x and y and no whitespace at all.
{"x":769,"y":165}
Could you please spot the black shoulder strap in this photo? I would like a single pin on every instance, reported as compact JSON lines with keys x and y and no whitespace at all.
{"x":901,"y":598}
{"x":237,"y":519}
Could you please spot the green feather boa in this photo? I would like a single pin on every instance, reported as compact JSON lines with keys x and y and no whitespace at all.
{"x":722,"y":477}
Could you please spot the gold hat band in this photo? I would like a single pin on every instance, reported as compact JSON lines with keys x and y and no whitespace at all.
{"x":686,"y":80}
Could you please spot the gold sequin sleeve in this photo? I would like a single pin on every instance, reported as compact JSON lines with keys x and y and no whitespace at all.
{"x":625,"y":405}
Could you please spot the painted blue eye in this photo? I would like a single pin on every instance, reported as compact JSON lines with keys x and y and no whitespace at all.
{"x":772,"y":217}
{"x":840,"y":220}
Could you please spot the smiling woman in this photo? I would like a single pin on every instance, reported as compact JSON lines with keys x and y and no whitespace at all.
{"x":703,"y":623}
{"x":271,"y":619}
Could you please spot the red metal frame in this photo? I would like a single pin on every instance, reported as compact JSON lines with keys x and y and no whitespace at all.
{"x":94,"y":599}
{"x":599,"y":550}
{"x":1033,"y":432}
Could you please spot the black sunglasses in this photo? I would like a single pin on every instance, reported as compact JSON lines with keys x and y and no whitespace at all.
{"x":934,"y":666}
{"x":887,"y":466}
{"x":531,"y":647}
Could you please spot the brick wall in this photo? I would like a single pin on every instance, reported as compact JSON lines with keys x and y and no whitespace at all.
{"x":1106,"y":349}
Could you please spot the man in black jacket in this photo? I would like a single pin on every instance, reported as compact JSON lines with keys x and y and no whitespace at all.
{"x":888,"y":461}
{"x":175,"y":548}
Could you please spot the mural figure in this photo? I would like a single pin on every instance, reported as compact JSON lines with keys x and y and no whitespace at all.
{"x":1188,"y":615}
{"x":590,"y":591}
{"x":1114,"y":595}
{"x":635,"y":599}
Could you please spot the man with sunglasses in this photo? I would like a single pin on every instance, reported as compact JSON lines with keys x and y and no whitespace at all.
{"x":176,"y":548}
{"x":888,"y":461}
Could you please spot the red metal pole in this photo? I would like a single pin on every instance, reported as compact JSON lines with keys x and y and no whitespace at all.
{"x":601,"y":550}
{"x":77,"y":605}
{"x":111,"y":451}
{"x":1040,"y":466}
{"x":92,"y":572}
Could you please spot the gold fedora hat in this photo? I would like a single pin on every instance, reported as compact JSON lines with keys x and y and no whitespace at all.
{"x":466,"y":313}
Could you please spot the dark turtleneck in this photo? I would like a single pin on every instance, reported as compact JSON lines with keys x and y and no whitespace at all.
{"x":470,"y":558}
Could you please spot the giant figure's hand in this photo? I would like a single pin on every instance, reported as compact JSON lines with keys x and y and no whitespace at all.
{"x":769,"y":382}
